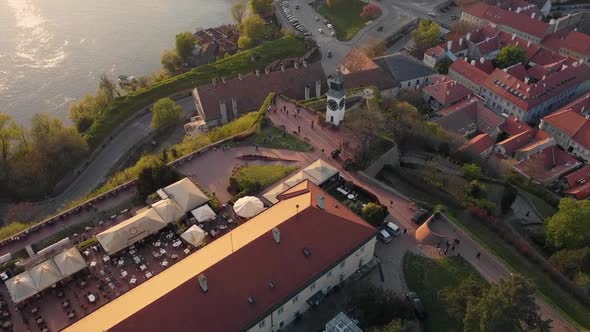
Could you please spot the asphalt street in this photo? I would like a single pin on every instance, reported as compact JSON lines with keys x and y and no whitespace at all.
{"x":97,"y":171}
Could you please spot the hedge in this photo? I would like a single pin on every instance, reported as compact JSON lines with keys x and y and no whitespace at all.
{"x":259,"y":57}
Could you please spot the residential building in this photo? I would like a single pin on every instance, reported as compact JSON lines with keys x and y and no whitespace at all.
{"x":359,"y":70}
{"x":469,"y":117}
{"x":260,"y":276}
{"x":469,"y":74}
{"x":481,"y":146}
{"x":547,"y":165}
{"x":517,"y":134}
{"x":214,"y":42}
{"x":570,"y":126}
{"x":224,"y":100}
{"x":409,"y":72}
{"x":444,"y":91}
{"x":578,"y":183}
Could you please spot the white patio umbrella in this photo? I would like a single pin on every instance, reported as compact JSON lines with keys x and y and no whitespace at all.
{"x":194,"y":235}
{"x":248,"y":206}
{"x":21,"y":287}
{"x":203,"y":213}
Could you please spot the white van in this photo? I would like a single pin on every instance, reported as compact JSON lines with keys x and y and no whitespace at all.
{"x":392,"y":228}
{"x":384,"y":236}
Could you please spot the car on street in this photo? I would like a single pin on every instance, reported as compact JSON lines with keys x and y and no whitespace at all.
{"x":333,"y":34}
{"x":317,"y":18}
{"x":330,"y":26}
{"x":392,"y":228}
{"x":384,"y":236}
{"x":454,"y":17}
{"x":329,"y":54}
{"x":419,"y":310}
{"x":431,"y":14}
{"x":419,"y":216}
{"x":321,"y":30}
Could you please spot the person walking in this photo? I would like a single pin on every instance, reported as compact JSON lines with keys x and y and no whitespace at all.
{"x":299,"y":129}
{"x":478,"y":255}
{"x":405,"y":231}
{"x":311,"y":124}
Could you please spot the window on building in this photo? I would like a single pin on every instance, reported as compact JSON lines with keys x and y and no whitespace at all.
{"x":409,"y":83}
{"x":280,"y":311}
{"x":295,"y":299}
{"x":417,"y":82}
{"x":262,"y":323}
{"x":342,"y":264}
{"x":281,"y":324}
{"x":312,"y":287}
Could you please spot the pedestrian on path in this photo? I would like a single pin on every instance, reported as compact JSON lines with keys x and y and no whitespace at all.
{"x":390,"y":202}
{"x":299,"y":129}
{"x":478,"y":255}
{"x":311,"y":124}
{"x":256,"y":146}
{"x":405,"y":231}
{"x":453,"y":248}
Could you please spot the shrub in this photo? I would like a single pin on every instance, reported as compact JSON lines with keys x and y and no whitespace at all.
{"x":87,"y":243}
{"x":374,"y":214}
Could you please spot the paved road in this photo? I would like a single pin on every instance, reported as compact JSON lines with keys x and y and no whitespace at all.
{"x":96,"y":173}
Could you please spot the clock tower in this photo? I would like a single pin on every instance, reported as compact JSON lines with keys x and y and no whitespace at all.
{"x":336,"y":100}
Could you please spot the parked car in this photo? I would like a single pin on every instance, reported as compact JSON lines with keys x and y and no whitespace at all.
{"x":317,"y":18}
{"x":419,"y":216}
{"x":330,"y":26}
{"x":454,"y":17}
{"x":384,"y":236}
{"x":431,"y":14}
{"x":321,"y":30}
{"x":417,"y":304}
{"x":392,"y":228}
{"x":333,"y":34}
{"x":329,"y":54}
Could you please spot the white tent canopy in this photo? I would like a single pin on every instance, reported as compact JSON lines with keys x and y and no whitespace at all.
{"x":186,"y":194}
{"x":203,"y":213}
{"x":194,"y":235}
{"x":130,"y":231}
{"x":248,"y":206}
{"x":69,"y":262}
{"x":45,"y":274}
{"x":168,"y":210}
{"x":21,"y":287}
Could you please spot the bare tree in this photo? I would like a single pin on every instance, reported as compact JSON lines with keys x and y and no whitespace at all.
{"x":238,"y":11}
{"x":108,"y":86}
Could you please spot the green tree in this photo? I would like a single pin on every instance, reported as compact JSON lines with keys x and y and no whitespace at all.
{"x":245,"y":42}
{"x":253,"y":27}
{"x":261,"y":7}
{"x":166,"y":111}
{"x":471,"y":172}
{"x":108,"y":86}
{"x":426,"y":35}
{"x":570,"y":226}
{"x":84,"y":112}
{"x":376,"y":306}
{"x":374,"y":213}
{"x":508,"y":197}
{"x":170,"y":60}
{"x":442,"y":67}
{"x":510,"y":55}
{"x":185,"y":42}
{"x":393,"y":326}
{"x":475,"y":189}
{"x":458,"y":298}
{"x":238,"y":11}
{"x":572,"y":262}
{"x":10,"y":131}
{"x":505,"y":306}
{"x":154,"y":177}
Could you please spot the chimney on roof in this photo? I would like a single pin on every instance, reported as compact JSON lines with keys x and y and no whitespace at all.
{"x":518,"y":85}
{"x":513,"y":36}
{"x":543,"y":78}
{"x":533,"y":15}
{"x":257,"y":73}
{"x":449,"y":44}
{"x":461,"y":41}
{"x":282,"y":67}
{"x":528,"y":89}
{"x":267,"y":71}
{"x":448,"y":92}
{"x":276,"y":234}
{"x":517,"y":10}
{"x":203,"y":283}
{"x":528,"y":44}
{"x":473,"y":62}
{"x":482,"y":60}
{"x":321,"y":202}
{"x":526,"y":80}
{"x":468,"y":36}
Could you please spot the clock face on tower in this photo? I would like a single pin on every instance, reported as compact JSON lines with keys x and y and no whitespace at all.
{"x":341,"y":104}
{"x":332,"y":105}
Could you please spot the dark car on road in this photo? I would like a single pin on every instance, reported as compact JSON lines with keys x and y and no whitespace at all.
{"x":419,"y":217}
{"x":419,"y":310}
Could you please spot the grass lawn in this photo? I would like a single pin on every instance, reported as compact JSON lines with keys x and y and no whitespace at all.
{"x":569,"y":307}
{"x":253,"y":179}
{"x":345,"y":16}
{"x":427,"y":277}
{"x":272,"y":137}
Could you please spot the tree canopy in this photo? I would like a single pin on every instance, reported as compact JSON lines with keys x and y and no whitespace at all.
{"x":378,"y":307}
{"x":108,"y":86}
{"x":170,"y":60}
{"x":505,"y":306}
{"x":458,"y":298}
{"x":374,"y":213}
{"x":166,"y":112}
{"x":253,"y":27}
{"x":371,"y":11}
{"x":84,"y":112}
{"x":570,"y":226}
{"x":261,"y":7}
{"x":185,"y":42}
{"x":238,"y":11}
{"x":426,"y":35}
{"x":510,"y":55}
{"x":245,"y":42}
{"x":471,"y":172}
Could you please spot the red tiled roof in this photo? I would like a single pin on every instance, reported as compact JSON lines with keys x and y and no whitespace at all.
{"x":478,"y":144}
{"x":522,"y":22}
{"x":574,"y":179}
{"x":518,"y":70}
{"x":570,"y":120}
{"x":330,"y":235}
{"x":513,"y":126}
{"x":467,"y":115}
{"x":574,"y":41}
{"x":468,"y":71}
{"x":446,"y":90}
{"x":513,"y":143}
{"x":250,"y":91}
{"x":547,"y":165}
{"x":356,"y":60}
{"x":580,"y":192}
{"x":372,"y":77}
{"x":435,"y":51}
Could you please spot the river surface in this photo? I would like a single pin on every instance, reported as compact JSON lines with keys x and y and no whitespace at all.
{"x":52,"y":52}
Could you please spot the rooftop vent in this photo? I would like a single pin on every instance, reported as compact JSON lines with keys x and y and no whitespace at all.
{"x":251,"y":300}
{"x":271,"y":285}
{"x":203,"y":283}
{"x":306,"y":252}
{"x":276,"y":234}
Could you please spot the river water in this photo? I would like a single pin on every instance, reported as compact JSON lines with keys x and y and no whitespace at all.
{"x":52,"y":52}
